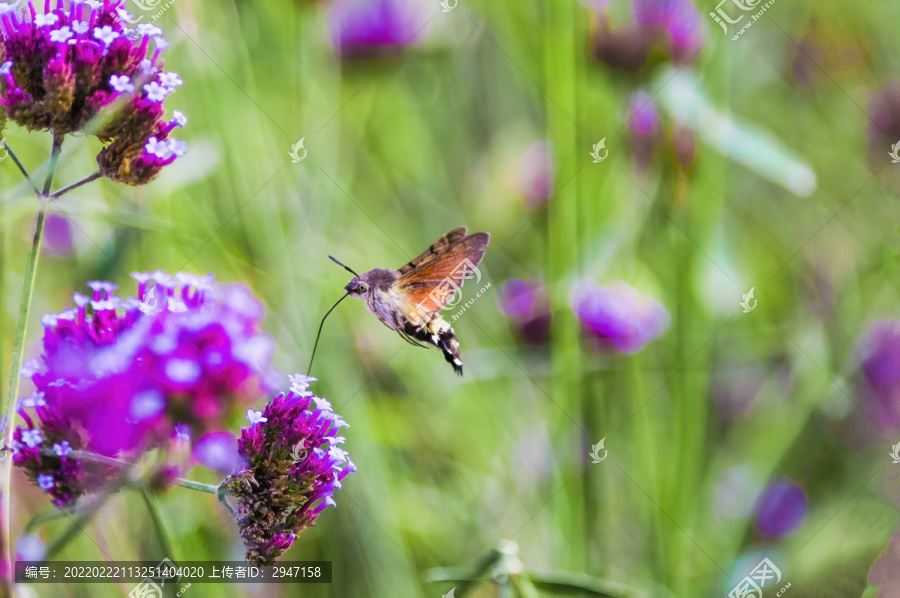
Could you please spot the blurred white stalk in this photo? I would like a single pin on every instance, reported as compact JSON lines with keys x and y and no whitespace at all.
{"x":758,"y":150}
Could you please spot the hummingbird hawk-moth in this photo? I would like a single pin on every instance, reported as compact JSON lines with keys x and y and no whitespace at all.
{"x":409,"y":300}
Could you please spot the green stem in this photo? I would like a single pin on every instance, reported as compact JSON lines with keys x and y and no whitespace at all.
{"x":54,"y":160}
{"x":94,"y":457}
{"x":156,"y":518}
{"x":91,"y":177}
{"x":24,"y":172}
{"x":15,"y":366}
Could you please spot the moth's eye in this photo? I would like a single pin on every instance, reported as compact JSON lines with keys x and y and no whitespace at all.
{"x":363,"y":287}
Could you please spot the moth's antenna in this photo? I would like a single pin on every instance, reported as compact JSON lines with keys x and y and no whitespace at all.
{"x":316,"y":344}
{"x":347,"y":268}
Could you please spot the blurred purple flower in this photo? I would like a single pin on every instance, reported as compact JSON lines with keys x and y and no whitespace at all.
{"x":375,"y":28}
{"x":883,"y":131}
{"x":527,"y":306}
{"x":116,"y":375}
{"x":673,"y":24}
{"x":63,"y":68}
{"x":878,"y":353}
{"x":293,"y":463}
{"x":30,"y":547}
{"x":535,"y":175}
{"x":57,"y":236}
{"x":884,"y":570}
{"x":618,"y":316}
{"x":678,"y":18}
{"x":780,"y":508}
{"x":643,"y":123}
{"x":217,"y":450}
{"x":735,"y":387}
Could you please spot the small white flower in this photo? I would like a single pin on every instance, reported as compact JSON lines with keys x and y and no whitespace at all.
{"x":300,"y":384}
{"x":32,"y":438}
{"x":121,"y":83}
{"x":62,"y":448}
{"x":179,"y":117}
{"x":177,"y":146}
{"x":61,"y":35}
{"x":322,"y":404}
{"x":338,"y":454}
{"x":94,"y":3}
{"x":155,"y":91}
{"x":35,"y":400}
{"x":148,"y":29}
{"x":161,"y":42}
{"x":105,"y":34}
{"x":147,"y":68}
{"x":170,"y":80}
{"x":47,"y":19}
{"x":6,"y":67}
{"x":158,"y":148}
{"x":80,"y":26}
{"x":256,"y":417}
{"x":30,"y":367}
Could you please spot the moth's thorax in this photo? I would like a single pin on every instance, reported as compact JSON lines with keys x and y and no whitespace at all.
{"x":378,"y":279}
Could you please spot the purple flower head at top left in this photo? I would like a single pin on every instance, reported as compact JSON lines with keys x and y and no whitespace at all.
{"x":118,"y":376}
{"x":64,"y":68}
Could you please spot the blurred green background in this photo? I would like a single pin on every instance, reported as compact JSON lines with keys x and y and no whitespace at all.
{"x":402,"y":149}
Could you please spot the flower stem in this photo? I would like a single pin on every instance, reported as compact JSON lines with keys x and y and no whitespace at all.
{"x":96,"y":458}
{"x":54,"y":160}
{"x":18,"y":162}
{"x":15,"y":366}
{"x":91,"y":177}
{"x":162,"y":534}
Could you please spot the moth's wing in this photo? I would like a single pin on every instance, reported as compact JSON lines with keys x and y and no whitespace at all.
{"x":437,"y":248}
{"x":415,"y":286}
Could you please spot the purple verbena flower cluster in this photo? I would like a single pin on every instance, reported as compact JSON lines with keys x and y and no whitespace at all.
{"x":292,"y":465}
{"x":119,"y":376}
{"x":63,"y":68}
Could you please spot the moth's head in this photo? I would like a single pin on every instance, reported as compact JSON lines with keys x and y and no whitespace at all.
{"x":357,"y":287}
